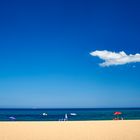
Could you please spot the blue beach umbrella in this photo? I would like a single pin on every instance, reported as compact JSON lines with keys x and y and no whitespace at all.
{"x":12,"y":118}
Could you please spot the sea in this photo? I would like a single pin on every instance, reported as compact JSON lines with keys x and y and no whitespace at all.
{"x":70,"y":114}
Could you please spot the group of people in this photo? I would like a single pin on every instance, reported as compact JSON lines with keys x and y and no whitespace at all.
{"x":117,"y":116}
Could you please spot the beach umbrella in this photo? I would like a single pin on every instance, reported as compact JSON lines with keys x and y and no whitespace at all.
{"x":44,"y":114}
{"x":73,"y":114}
{"x":12,"y":118}
{"x":117,"y":113}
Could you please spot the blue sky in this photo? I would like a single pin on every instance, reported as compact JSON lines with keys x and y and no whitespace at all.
{"x":45,"y":56}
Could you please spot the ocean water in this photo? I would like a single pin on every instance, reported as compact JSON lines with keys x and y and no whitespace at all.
{"x":70,"y":114}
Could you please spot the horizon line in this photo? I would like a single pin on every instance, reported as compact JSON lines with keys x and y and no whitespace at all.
{"x":74,"y":108}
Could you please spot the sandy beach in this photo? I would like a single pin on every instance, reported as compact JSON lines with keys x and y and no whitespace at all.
{"x":82,"y":130}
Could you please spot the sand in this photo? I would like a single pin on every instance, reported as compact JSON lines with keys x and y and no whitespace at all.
{"x":82,"y":130}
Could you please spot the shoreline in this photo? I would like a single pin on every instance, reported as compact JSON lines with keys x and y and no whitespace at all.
{"x":72,"y":121}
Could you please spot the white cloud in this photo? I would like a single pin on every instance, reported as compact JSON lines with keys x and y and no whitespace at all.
{"x":115,"y":58}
